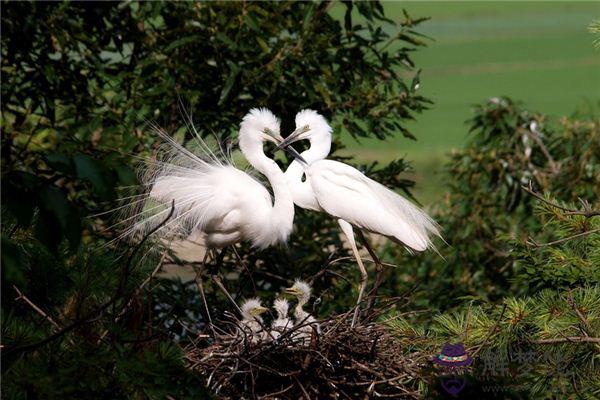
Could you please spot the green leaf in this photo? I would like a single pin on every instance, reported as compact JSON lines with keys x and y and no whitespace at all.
{"x":60,"y":162}
{"x":234,"y":71}
{"x":88,"y":168}
{"x":308,"y":15}
{"x":181,"y":42}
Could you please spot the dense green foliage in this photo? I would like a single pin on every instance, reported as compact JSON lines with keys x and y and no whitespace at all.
{"x":78,"y":81}
{"x":486,"y":211}
{"x":79,"y":318}
{"x":521,"y":282}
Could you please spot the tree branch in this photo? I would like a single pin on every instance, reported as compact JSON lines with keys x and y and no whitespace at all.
{"x":533,"y":243}
{"x":588,"y":212}
{"x":47,"y":317}
{"x":491,"y":332}
{"x":93,"y":315}
{"x":569,"y":339}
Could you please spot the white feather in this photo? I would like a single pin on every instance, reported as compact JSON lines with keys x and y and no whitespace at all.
{"x":346,"y":193}
{"x":209,"y":194}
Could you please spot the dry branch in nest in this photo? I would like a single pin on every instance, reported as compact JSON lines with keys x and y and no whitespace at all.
{"x":339,"y":363}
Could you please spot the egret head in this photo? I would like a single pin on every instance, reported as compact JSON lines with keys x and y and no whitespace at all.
{"x":258,"y":126}
{"x":312,"y":126}
{"x":252,"y":308}
{"x":281,"y":306}
{"x":301,"y":290}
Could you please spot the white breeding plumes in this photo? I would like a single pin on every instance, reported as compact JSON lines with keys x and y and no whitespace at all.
{"x":282,"y":322}
{"x":251,"y":326}
{"x":305,"y":322}
{"x":209,"y":194}
{"x":347,"y":194}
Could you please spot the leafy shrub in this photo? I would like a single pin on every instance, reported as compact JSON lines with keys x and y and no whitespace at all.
{"x":78,"y":80}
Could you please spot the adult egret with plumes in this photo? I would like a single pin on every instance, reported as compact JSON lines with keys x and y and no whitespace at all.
{"x":252,"y":322}
{"x":209,"y":194}
{"x":347,"y":194}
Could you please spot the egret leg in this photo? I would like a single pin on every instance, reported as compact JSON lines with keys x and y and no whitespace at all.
{"x":217,"y":279}
{"x":379,"y":267}
{"x":349,"y":232}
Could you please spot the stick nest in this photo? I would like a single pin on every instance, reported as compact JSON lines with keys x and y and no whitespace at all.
{"x":340,"y":362}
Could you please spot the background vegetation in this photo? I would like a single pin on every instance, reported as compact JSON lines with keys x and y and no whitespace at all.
{"x":80,"y":318}
{"x":537,"y":53}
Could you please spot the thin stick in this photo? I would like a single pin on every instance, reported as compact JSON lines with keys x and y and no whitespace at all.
{"x":533,"y":243}
{"x":491,"y":332}
{"x":569,"y":339}
{"x":573,"y":305}
{"x":47,"y":317}
{"x":587,"y":213}
{"x":93,"y":315}
{"x":200,"y":285}
{"x":217,"y":279}
{"x":553,"y":166}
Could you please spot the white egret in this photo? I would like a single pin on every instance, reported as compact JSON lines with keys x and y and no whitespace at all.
{"x":302,"y":290}
{"x":209,"y":194}
{"x":282,"y":322}
{"x":252,"y":322}
{"x":347,"y":194}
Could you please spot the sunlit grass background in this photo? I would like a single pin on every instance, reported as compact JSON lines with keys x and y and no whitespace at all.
{"x":538,"y":52}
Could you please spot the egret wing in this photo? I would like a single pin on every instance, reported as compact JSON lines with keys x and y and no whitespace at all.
{"x":346,"y":193}
{"x":209,"y":199}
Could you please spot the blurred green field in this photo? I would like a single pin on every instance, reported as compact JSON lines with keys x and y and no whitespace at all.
{"x":538,"y":52}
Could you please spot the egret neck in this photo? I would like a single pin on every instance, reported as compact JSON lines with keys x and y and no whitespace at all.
{"x":282,"y":217}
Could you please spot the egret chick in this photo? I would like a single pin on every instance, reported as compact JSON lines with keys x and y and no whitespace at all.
{"x":302,"y":290}
{"x":252,"y":322}
{"x":282,"y":322}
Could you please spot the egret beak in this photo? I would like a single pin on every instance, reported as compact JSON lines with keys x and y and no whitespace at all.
{"x":276,"y":138}
{"x":271,"y":136}
{"x":261,"y":310}
{"x":290,"y":291}
{"x":294,"y":136}
{"x":295,"y":154}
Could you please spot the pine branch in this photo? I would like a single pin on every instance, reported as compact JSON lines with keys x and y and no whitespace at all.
{"x":491,"y":332}
{"x":37,"y":309}
{"x":581,"y":317}
{"x":568,"y":339}
{"x":533,"y":243}
{"x":588,"y":212}
{"x":94,"y":314}
{"x":535,"y":135}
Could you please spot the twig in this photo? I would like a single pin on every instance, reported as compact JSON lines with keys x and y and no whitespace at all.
{"x":588,"y":213}
{"x":490,"y":333}
{"x":553,"y":166}
{"x":139,"y":289}
{"x":533,"y":243}
{"x":573,"y":305}
{"x":302,"y":387}
{"x":568,"y":339}
{"x":92,"y":316}
{"x":21,"y":296}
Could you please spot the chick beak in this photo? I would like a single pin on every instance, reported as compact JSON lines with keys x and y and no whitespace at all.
{"x":261,"y":310}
